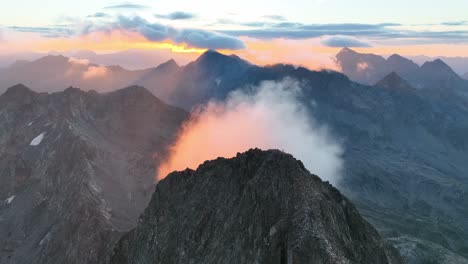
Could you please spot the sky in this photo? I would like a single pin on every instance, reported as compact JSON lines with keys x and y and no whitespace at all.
{"x":302,"y":32}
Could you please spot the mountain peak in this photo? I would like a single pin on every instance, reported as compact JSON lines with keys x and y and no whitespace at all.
{"x":346,"y":50}
{"x":438,"y":70}
{"x":435,"y":63}
{"x":394,"y":81}
{"x":210,"y":54}
{"x":52,"y":58}
{"x":170,"y":64}
{"x":19,"y":89}
{"x":231,"y":195}
{"x":399,"y":58}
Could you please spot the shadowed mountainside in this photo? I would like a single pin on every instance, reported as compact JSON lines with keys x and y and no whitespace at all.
{"x":76,"y":170}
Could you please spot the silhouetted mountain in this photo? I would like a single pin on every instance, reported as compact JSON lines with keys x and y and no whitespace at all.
{"x":161,"y":81}
{"x":370,"y":68}
{"x":53,"y":72}
{"x":211,"y":76}
{"x":259,"y":207}
{"x":402,"y":65}
{"x":465,"y":76}
{"x":362,"y":68}
{"x":437,"y":73}
{"x":394,"y":81}
{"x":77,"y":169}
{"x":458,"y":64}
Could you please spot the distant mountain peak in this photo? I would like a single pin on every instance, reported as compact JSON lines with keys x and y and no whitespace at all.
{"x":398,"y":58}
{"x":435,"y":63}
{"x":210,"y":54}
{"x":135,"y":91}
{"x":394,"y":81}
{"x":53,"y":58}
{"x":438,"y":69}
{"x":346,"y":50}
{"x":19,"y":89}
{"x":170,"y":64}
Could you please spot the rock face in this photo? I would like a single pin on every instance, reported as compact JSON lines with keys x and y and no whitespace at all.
{"x":259,"y":207}
{"x":76,"y":170}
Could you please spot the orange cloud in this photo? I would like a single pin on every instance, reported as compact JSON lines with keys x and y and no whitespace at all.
{"x":95,"y":72}
{"x":271,"y":118}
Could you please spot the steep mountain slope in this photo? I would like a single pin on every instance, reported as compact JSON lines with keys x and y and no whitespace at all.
{"x":53,"y":72}
{"x":465,"y":76}
{"x":76,"y":170}
{"x":259,"y":207}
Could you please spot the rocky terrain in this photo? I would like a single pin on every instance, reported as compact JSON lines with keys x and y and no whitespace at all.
{"x":76,"y":170}
{"x":259,"y":207}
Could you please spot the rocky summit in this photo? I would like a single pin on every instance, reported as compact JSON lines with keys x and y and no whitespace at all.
{"x":259,"y":207}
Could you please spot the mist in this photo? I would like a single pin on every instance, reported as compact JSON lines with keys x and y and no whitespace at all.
{"x":268,"y":117}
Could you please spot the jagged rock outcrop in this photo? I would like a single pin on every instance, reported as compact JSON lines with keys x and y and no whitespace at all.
{"x":76,"y":170}
{"x":259,"y":207}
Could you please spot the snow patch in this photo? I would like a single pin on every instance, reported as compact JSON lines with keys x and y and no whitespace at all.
{"x":30,"y":124}
{"x":37,"y":140}
{"x":45,"y":239}
{"x":9,"y":200}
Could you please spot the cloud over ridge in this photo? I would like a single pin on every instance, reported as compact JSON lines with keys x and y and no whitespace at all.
{"x":270,"y":117}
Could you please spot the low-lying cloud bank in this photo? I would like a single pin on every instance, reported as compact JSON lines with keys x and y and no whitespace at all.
{"x":269,"y":117}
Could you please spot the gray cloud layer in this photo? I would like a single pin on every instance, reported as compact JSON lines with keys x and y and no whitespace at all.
{"x":48,"y":32}
{"x":126,"y":6}
{"x":159,"y":32}
{"x":179,"y":15}
{"x":344,"y":41}
{"x":383,"y":31}
{"x":99,"y":15}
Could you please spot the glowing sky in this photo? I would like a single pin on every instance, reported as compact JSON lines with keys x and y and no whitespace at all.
{"x":306,"y":32}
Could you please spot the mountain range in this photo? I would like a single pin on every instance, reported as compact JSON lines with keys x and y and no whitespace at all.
{"x":405,"y":138}
{"x":370,"y":68}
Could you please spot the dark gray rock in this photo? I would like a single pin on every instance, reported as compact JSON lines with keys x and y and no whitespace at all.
{"x":76,"y":170}
{"x":259,"y":207}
